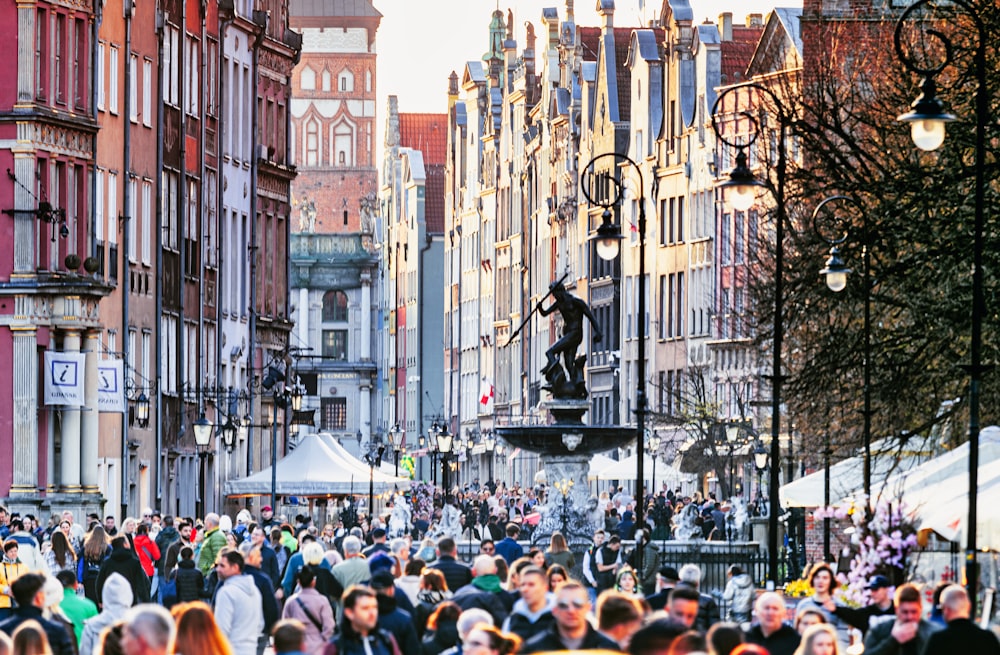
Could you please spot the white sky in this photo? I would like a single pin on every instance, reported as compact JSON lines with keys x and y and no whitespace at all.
{"x":420,"y":43}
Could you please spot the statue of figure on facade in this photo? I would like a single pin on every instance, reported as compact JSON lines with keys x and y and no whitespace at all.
{"x":399,"y":518}
{"x":566,"y":380}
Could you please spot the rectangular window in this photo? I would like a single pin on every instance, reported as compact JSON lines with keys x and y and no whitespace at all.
{"x":672,"y":221}
{"x":133,"y":88}
{"x":130,"y":376}
{"x":99,"y":206}
{"x":671,"y":290}
{"x":41,"y":52}
{"x":662,"y":309}
{"x":211,"y":79}
{"x":168,"y":211}
{"x":146,"y":226}
{"x":333,"y":414}
{"x":192,"y":91}
{"x":171,"y":61}
{"x":738,"y":248}
{"x":725,"y":245}
{"x":101,"y":89}
{"x":133,"y":218}
{"x":58,"y":43}
{"x":78,"y":65}
{"x":147,"y":92}
{"x":112,"y":207}
{"x":335,"y":344}
{"x":679,"y":312}
{"x":113,"y":79}
{"x":663,"y":222}
{"x":147,"y":358}
{"x":680,"y":219}
{"x":168,"y":353}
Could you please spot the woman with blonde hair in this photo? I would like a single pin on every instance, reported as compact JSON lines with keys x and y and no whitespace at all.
{"x":197,"y":631}
{"x":559,"y":552}
{"x":819,"y":639}
{"x":30,"y":639}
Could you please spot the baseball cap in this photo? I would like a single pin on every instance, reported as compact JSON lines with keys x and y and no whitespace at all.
{"x":266,"y":508}
{"x":668,"y":573}
{"x":378,"y":533}
{"x":380,"y":562}
{"x":879,"y":582}
{"x":382,"y":579}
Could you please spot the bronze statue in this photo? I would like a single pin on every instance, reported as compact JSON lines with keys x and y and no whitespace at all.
{"x":568,"y":382}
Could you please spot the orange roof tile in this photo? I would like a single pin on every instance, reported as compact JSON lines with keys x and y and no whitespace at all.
{"x":427,"y":133}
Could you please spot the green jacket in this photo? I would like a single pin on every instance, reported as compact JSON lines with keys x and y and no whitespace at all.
{"x":214,"y":542}
{"x":77,"y":609}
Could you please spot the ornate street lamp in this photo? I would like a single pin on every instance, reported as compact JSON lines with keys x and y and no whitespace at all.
{"x":743,"y":184}
{"x":445,"y":441}
{"x":927,"y":128}
{"x":607,"y":240}
{"x":142,"y":410}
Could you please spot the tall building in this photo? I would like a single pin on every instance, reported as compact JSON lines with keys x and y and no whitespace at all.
{"x":51,"y":331}
{"x":122,"y":114}
{"x":333,"y":258}
{"x":412,"y":280}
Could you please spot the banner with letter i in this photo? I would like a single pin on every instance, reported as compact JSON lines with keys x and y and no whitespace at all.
{"x":111,"y":386}
{"x":64,"y":373}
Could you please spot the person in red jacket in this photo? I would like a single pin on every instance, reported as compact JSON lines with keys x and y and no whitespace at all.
{"x":147,"y":550}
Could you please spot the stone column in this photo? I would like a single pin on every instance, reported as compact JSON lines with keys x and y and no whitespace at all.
{"x":25,"y":383}
{"x":69,"y":430}
{"x":90,"y":419}
{"x":366,"y":316}
{"x":26,"y":12}
{"x":303,"y":322}
{"x":365,"y":408}
{"x":24,"y":223}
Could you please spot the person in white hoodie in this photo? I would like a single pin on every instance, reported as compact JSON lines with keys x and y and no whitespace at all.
{"x":239,"y":608}
{"x":117,"y":594}
{"x":739,"y":595}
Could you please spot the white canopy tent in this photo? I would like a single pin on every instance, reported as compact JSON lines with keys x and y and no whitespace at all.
{"x":948,"y":514}
{"x":312,"y":469}
{"x":625,"y":470}
{"x":352,"y":463}
{"x":847,"y":476}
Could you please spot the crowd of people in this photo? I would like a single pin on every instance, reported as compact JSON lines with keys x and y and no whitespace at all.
{"x":487,"y":508}
{"x":160,"y":585}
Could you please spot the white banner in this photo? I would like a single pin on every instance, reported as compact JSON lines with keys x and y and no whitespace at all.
{"x":111,"y":386}
{"x":64,"y":373}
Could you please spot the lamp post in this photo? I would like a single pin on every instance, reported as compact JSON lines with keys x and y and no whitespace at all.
{"x":489,"y":442}
{"x":654,"y":450}
{"x":202,"y":429}
{"x":607,"y":239}
{"x":742,"y":183}
{"x":927,"y":121}
{"x":396,"y":443}
{"x":432,"y":446}
{"x":836,"y":272}
{"x":445,"y":443}
{"x":760,"y":457}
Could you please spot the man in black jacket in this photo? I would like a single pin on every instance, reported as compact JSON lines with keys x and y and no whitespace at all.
{"x":123,"y":561}
{"x":908,"y":634}
{"x":393,"y":620}
{"x":263,"y":582}
{"x":455,"y":573}
{"x":771,"y":631}
{"x":30,"y":597}
{"x":960,"y":635}
{"x":571,"y":630}
{"x":865,"y":617}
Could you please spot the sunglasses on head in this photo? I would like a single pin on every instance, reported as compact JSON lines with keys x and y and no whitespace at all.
{"x":578,"y":604}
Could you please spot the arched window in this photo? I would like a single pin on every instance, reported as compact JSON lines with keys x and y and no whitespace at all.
{"x":335,"y":305}
{"x":312,"y":142}
{"x":343,"y":144}
{"x":326,"y":80}
{"x":308,"y":79}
